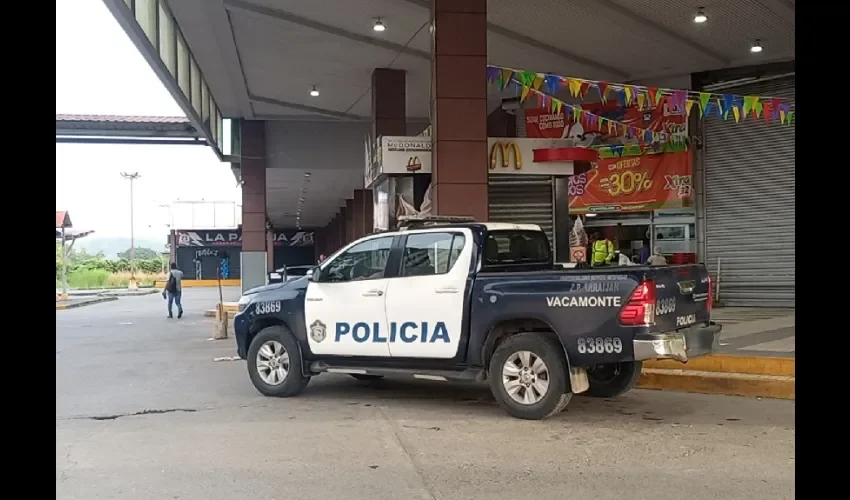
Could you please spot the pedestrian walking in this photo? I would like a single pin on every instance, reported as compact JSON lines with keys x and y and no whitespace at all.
{"x":173,"y":290}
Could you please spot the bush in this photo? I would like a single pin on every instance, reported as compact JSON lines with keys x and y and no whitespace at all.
{"x":96,"y":271}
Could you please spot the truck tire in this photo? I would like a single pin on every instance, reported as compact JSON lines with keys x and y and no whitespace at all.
{"x":528,"y":376}
{"x":363,"y":377}
{"x":274,"y":363}
{"x":612,"y":380}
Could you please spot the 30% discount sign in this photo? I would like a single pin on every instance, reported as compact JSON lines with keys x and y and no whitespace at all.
{"x":626,"y":183}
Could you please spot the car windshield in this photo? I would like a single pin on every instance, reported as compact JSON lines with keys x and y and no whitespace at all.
{"x":515,"y":246}
{"x":296,"y":271}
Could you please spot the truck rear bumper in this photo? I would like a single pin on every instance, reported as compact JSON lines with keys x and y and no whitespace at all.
{"x":682,"y":345}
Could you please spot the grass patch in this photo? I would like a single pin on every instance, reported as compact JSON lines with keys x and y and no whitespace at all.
{"x":86,"y":279}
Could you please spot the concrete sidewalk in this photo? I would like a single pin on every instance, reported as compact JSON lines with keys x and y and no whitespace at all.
{"x":755,"y":331}
{"x":74,"y":302}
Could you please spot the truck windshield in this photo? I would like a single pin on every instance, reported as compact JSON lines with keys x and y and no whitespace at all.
{"x":514,"y":246}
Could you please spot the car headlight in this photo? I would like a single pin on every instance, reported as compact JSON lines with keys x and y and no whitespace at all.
{"x":243,"y":302}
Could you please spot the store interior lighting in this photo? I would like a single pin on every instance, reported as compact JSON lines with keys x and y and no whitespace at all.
{"x":756,"y":48}
{"x":314,"y":91}
{"x":379,"y":26}
{"x":700,"y":17}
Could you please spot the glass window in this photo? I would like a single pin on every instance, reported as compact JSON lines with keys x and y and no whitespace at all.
{"x":196,"y":86}
{"x":167,"y":48}
{"x":183,"y":77}
{"x":428,"y":254}
{"x":517,"y":247}
{"x":363,"y":261}
{"x":146,"y":17}
{"x":669,"y":233}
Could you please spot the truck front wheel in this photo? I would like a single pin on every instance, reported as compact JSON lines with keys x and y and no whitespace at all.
{"x":528,"y":376}
{"x":274,"y":363}
{"x":614,"y":379}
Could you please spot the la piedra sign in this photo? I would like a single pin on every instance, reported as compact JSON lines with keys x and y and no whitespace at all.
{"x":233,"y":238}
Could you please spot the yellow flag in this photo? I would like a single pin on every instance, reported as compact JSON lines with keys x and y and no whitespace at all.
{"x":538,"y":80}
{"x":575,"y":86}
{"x":558,"y":105}
{"x":628,"y":91}
{"x":524,"y":95}
{"x":736,"y":113}
{"x":641,"y":97}
{"x":688,"y":104}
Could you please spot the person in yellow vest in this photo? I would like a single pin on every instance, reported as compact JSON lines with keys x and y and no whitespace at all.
{"x":602,"y":250}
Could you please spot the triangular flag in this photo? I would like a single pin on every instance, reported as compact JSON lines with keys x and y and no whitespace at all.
{"x":704,"y":97}
{"x":736,"y":113}
{"x":757,"y":109}
{"x":688,"y":105}
{"x":551,"y":83}
{"x":641,"y":100}
{"x":627,"y":93}
{"x":782,"y":116}
{"x":585,"y":86}
{"x":492,"y":74}
{"x":575,"y":86}
{"x":767,"y":110}
{"x":603,"y":91}
{"x":659,"y":93}
{"x":653,"y":94}
{"x":576,"y":113}
{"x":538,"y":80}
{"x":507,"y":75}
{"x":748,"y":104}
{"x":527,"y":78}
{"x":558,"y":105}
{"x":524,"y":95}
{"x":789,"y":116}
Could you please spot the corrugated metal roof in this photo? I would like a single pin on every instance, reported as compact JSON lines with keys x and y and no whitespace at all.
{"x":121,"y":119}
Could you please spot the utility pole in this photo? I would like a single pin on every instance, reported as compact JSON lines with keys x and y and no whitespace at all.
{"x":132,"y":285}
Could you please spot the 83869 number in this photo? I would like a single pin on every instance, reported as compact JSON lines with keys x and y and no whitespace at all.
{"x":268,"y":307}
{"x":599,"y":345}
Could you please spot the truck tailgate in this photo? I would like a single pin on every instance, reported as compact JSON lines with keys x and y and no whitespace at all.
{"x":682,"y":297}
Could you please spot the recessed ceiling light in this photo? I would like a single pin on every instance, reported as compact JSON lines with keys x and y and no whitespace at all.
{"x":314,"y":91}
{"x":379,"y":26}
{"x":756,"y":48}
{"x":700,"y":17}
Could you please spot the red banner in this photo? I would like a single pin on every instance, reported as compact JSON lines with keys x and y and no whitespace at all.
{"x":544,"y":123}
{"x":634,"y":184}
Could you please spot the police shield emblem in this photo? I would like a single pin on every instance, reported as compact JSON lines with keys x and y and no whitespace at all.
{"x":318,"y":331}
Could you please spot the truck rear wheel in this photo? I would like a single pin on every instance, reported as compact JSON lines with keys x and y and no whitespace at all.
{"x":274,"y":363}
{"x":528,"y":376}
{"x":612,"y":380}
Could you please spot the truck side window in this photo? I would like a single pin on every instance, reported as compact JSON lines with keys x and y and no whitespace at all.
{"x":428,"y":254}
{"x":366,"y":260}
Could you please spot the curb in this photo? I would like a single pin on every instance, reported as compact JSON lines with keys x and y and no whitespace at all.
{"x":731,"y":375}
{"x":62,"y":307}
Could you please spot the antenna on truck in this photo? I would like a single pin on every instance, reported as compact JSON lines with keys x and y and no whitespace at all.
{"x":418,"y":221}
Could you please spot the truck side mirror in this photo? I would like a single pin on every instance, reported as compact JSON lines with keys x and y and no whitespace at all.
{"x":313,"y":274}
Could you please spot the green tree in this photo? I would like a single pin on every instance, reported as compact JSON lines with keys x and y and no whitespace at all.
{"x":141,"y":254}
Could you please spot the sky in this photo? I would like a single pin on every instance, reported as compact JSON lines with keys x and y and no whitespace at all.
{"x":100,"y":71}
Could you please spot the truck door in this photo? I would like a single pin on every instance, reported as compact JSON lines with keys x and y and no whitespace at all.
{"x":425,"y":304}
{"x":344,"y":311}
{"x":682,"y":295}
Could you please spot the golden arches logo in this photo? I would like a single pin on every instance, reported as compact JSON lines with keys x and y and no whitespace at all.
{"x":505,"y":149}
{"x":413,"y":164}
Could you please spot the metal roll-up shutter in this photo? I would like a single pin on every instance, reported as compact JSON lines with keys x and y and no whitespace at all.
{"x":522,"y":200}
{"x":749,"y":203}
{"x":520,"y":123}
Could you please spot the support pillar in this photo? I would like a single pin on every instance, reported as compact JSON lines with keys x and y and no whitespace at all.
{"x":362,"y":205}
{"x":459,"y":108}
{"x":254,"y":239}
{"x":389,"y":109}
{"x":270,"y":249}
{"x":349,"y":221}
{"x":341,"y":228}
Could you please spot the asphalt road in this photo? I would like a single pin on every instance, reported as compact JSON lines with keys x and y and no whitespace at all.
{"x":209,"y":435}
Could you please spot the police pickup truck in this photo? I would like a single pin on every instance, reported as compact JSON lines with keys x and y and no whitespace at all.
{"x":472,"y":302}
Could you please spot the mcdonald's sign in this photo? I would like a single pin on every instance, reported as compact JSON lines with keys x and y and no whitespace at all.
{"x":505,"y":149}
{"x":413,"y":164}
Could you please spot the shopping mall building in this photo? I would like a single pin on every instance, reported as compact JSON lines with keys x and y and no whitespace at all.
{"x":657,"y":122}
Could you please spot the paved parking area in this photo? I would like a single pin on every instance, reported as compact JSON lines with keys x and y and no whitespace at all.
{"x":143,"y":411}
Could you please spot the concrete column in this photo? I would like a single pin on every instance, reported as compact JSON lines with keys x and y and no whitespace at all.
{"x":389,"y":110}
{"x":270,"y":249}
{"x":362,"y":205}
{"x":254,"y":238}
{"x":341,"y":227}
{"x":459,"y":107}
{"x":350,"y":229}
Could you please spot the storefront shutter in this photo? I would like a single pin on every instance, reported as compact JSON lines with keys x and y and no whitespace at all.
{"x":749,"y":203}
{"x":522,"y":200}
